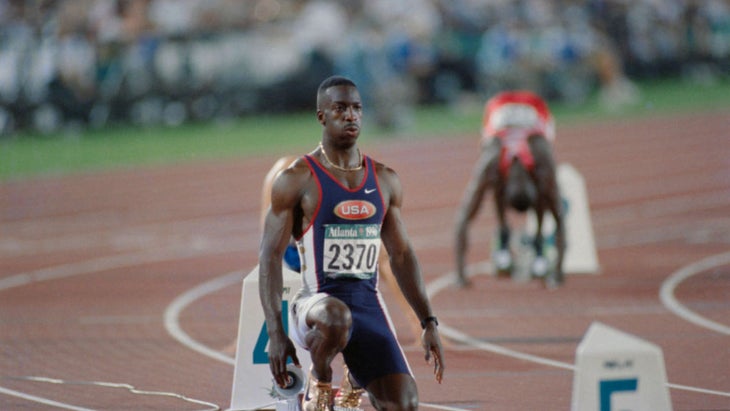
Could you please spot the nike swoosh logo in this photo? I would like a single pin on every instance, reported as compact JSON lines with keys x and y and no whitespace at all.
{"x":369,"y":190}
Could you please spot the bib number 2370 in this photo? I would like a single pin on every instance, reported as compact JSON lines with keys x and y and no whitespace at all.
{"x":351,"y":250}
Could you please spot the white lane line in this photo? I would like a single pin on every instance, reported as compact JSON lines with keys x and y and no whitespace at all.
{"x":666,"y":292}
{"x":94,"y":266}
{"x":698,"y":390}
{"x":466,"y":339}
{"x":172,"y":323}
{"x":77,"y":268}
{"x":484,"y":268}
{"x":42,"y":400}
{"x":433,"y":288}
{"x":447,"y":280}
{"x":107,"y":263}
{"x":173,"y":311}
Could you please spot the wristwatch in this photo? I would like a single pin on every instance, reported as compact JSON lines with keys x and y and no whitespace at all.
{"x":429,"y":319}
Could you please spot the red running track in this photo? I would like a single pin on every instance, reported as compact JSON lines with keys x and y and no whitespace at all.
{"x":90,"y":264}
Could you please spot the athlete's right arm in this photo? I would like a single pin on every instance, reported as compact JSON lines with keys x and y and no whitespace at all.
{"x":286,"y":196}
{"x":482,"y":179}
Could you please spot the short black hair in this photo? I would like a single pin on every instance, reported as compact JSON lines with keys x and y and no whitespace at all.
{"x":333,"y":81}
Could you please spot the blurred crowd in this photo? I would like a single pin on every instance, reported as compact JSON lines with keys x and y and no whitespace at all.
{"x":90,"y":63}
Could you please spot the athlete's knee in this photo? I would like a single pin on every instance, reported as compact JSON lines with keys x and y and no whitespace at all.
{"x":338,"y":314}
{"x":332,"y":318}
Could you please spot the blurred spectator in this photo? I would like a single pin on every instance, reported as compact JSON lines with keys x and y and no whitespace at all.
{"x":388,"y":49}
{"x":78,"y":63}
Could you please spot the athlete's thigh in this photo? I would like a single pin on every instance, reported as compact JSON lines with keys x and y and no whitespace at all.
{"x":300,"y":307}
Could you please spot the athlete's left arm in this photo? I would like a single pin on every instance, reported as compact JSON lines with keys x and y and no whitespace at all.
{"x":405,"y":267}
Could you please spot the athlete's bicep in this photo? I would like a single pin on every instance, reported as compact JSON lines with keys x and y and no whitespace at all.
{"x":267,"y":186}
{"x":393,"y":232}
{"x":286,"y":193}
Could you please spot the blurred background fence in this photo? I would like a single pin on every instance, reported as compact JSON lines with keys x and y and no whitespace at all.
{"x":91,"y":63}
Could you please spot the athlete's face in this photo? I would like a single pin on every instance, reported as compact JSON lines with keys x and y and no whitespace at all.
{"x":340,"y":112}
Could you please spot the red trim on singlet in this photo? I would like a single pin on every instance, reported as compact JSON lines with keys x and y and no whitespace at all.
{"x":332,"y":176}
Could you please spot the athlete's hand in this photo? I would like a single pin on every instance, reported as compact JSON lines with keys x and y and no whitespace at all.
{"x":280,"y":349}
{"x":432,"y":346}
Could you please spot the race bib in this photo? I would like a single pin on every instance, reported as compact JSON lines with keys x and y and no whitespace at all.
{"x":351,"y":250}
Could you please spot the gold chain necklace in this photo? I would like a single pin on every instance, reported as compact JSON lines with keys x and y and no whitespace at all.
{"x":359,"y":157}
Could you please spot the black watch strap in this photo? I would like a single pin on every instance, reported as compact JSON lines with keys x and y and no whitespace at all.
{"x":429,"y":319}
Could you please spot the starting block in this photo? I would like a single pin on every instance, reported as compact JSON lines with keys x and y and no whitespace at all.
{"x":618,"y":372}
{"x":580,"y":251}
{"x":253,"y":386}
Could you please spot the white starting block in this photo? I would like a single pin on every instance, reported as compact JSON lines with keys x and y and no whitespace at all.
{"x":580,"y":251}
{"x":253,"y":386}
{"x":618,"y":372}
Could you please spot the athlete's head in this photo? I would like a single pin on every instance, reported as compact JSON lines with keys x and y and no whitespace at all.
{"x":520,"y":191}
{"x":339,"y":110}
{"x":332,"y":81}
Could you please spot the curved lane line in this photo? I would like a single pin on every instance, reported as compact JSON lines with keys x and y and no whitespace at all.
{"x":483,"y":268}
{"x":447,"y":280}
{"x":670,"y":284}
{"x":95,"y":265}
{"x":172,"y":323}
{"x":172,"y":314}
{"x":89,"y":267}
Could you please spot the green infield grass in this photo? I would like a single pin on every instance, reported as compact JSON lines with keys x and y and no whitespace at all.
{"x":27,"y":155}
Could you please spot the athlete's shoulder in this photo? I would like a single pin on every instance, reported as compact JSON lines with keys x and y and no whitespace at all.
{"x":381,"y":169}
{"x":299,"y":163}
{"x":294,"y":176}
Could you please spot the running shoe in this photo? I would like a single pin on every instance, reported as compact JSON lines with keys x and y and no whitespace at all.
{"x":348,"y":397}
{"x":317,"y":395}
{"x":503,"y":260}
